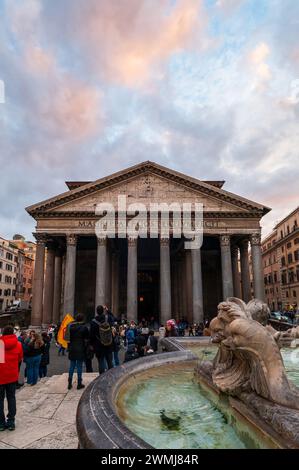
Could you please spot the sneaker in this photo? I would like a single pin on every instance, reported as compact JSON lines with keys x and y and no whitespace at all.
{"x":79,"y":386}
{"x":69,"y":385}
{"x":3,"y":427}
{"x":11,"y":426}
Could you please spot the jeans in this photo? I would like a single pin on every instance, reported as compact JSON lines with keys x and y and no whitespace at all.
{"x":10,"y":391}
{"x":61,"y":350}
{"x":43,"y":371}
{"x":104,"y":356}
{"x":73,"y":365}
{"x":115,"y":359}
{"x":32,"y":364}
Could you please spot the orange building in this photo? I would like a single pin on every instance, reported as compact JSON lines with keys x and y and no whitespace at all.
{"x":280,"y":252}
{"x":25,"y":271}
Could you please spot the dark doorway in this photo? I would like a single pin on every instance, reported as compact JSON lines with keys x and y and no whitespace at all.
{"x":148,"y":279}
{"x":148,"y":294}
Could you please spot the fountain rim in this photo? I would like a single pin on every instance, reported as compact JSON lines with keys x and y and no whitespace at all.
{"x":97,"y":421}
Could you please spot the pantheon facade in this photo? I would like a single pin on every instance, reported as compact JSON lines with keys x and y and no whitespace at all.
{"x":144,"y":277}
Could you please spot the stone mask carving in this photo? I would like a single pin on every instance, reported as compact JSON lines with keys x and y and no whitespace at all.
{"x":249,"y":357}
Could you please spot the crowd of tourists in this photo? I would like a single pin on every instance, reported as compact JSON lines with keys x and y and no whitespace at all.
{"x":102,"y":338}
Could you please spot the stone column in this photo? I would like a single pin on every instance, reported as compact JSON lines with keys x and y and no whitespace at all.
{"x":165,"y":281}
{"x":245,"y":275}
{"x":189,"y":300}
{"x":226,"y":264}
{"x":257,"y":266}
{"x":70,"y":274}
{"x":101,"y":281}
{"x":38,"y":281}
{"x":49,"y":285}
{"x":197,"y":286}
{"x":57,"y":287}
{"x":236,"y":272}
{"x":115,"y":283}
{"x":108,"y":296}
{"x":132,"y":279}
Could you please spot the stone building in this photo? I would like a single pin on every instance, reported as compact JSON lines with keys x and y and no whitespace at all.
{"x":25,"y":268}
{"x":280,"y":251}
{"x":143,"y":277}
{"x":8,"y":273}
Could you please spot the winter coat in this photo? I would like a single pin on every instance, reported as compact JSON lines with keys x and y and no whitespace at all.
{"x":130,"y":336}
{"x":172,"y":332}
{"x":131,"y":354}
{"x":95,"y":338}
{"x":153,"y":343}
{"x":45,"y":360}
{"x":116,"y":343}
{"x":31,"y":351}
{"x":140,"y":342}
{"x":77,"y":346}
{"x":13,"y":355}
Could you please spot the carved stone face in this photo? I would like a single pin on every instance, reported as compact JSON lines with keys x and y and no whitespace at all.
{"x":217,"y":327}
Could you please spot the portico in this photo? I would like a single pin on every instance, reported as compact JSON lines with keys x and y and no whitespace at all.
{"x":137,"y":276}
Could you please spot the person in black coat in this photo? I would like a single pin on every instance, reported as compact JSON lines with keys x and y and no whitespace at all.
{"x":131,"y":353}
{"x":45,"y":359}
{"x":103,"y":349}
{"x":78,"y":334}
{"x":152,"y":341}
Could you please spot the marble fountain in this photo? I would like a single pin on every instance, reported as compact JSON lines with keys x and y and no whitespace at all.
{"x":237,"y":389}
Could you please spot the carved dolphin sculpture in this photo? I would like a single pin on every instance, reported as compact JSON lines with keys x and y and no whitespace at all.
{"x":249,"y":357}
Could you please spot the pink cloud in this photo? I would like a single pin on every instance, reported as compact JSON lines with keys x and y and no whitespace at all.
{"x":127,"y":40}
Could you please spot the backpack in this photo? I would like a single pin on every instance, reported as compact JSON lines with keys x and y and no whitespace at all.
{"x":105,"y":333}
{"x":130,"y":336}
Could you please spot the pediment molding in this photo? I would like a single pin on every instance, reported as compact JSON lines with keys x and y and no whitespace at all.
{"x":44,"y":208}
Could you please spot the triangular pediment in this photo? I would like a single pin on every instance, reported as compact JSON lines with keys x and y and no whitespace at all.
{"x":146,"y":183}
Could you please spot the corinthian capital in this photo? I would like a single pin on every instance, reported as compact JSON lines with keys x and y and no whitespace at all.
{"x":164,"y":241}
{"x":132,"y":241}
{"x":71,"y":239}
{"x":41,"y":238}
{"x":255,"y":239}
{"x":102,"y":241}
{"x":225,"y":240}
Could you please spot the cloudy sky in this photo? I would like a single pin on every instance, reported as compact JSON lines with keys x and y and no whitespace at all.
{"x":206,"y":87}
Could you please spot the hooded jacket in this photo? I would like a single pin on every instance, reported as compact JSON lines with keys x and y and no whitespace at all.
{"x":13,"y":354}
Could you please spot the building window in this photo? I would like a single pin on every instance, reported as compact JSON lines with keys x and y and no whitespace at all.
{"x":275,"y":277}
{"x":288,"y":229}
{"x":281,"y":234}
{"x":296,"y":241}
{"x":290,"y":258}
{"x":9,"y":256}
{"x":289,"y":245}
{"x":296,"y":255}
{"x":283,"y":261}
{"x":294,"y":293}
{"x":291,"y":276}
{"x":284,"y":278}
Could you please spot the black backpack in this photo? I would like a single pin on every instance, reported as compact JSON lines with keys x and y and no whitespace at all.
{"x":105,"y":333}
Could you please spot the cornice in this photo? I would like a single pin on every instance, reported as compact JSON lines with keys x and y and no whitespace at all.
{"x":92,"y":215}
{"x":147,"y":167}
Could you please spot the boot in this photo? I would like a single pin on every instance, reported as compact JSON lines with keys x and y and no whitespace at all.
{"x":70,"y":384}
{"x":80,"y":385}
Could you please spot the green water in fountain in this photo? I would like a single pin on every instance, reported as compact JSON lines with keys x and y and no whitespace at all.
{"x":190,"y":420}
{"x":291,"y":362}
{"x":290,"y":359}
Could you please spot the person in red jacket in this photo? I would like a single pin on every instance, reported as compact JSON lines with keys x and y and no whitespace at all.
{"x":11,"y":353}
